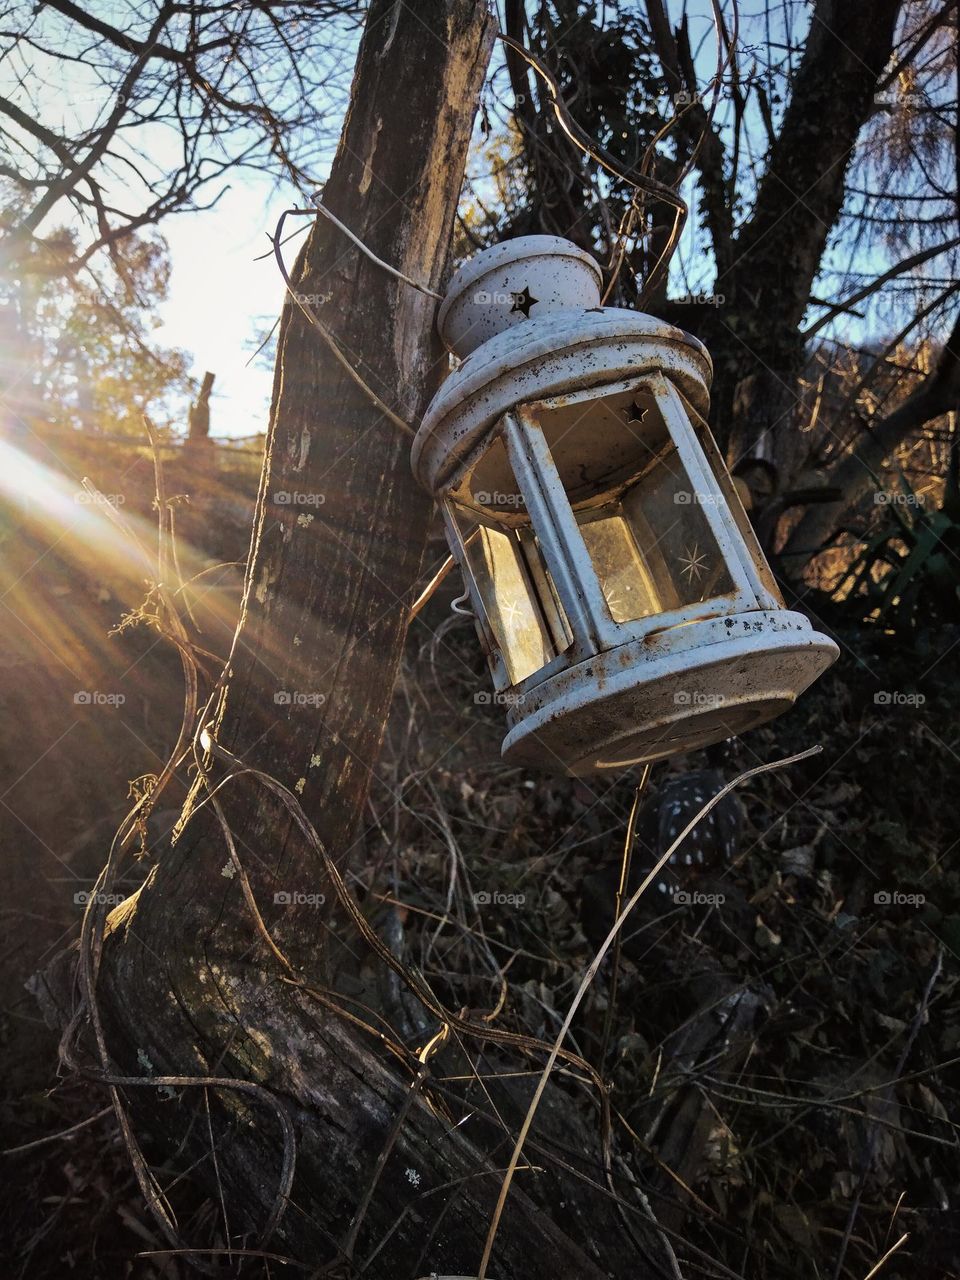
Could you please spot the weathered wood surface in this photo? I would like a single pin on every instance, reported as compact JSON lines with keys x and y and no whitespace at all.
{"x":435,"y":1195}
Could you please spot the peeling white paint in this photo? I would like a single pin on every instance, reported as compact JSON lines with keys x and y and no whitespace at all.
{"x":651,"y":686}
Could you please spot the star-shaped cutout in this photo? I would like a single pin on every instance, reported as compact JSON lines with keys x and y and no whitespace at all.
{"x":635,"y":412}
{"x":511,"y":613}
{"x":523,"y":302}
{"x":694,"y":564}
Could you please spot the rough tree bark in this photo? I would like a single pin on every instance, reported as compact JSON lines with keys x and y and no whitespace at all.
{"x":388,"y":1178}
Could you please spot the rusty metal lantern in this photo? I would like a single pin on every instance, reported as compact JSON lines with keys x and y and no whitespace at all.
{"x":620,"y":594}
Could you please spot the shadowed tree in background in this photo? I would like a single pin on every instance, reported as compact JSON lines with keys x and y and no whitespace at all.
{"x":822,"y":185}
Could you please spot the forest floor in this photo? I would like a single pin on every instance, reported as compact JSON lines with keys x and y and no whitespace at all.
{"x":835,"y":1136}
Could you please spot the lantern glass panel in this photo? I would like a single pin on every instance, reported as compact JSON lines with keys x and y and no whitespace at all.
{"x":643,"y":518}
{"x":624,"y":578}
{"x":520,"y":603}
{"x":666,"y":517}
{"x":757,"y":560}
{"x":547,"y":596}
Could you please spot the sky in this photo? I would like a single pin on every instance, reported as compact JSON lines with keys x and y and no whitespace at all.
{"x":225,"y":295}
{"x":221,"y":301}
{"x":221,"y":320}
{"x":221,"y":323}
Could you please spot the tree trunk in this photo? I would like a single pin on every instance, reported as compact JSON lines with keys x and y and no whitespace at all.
{"x":190,"y":982}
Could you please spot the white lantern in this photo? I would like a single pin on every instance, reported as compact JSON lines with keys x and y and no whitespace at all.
{"x":623,"y":601}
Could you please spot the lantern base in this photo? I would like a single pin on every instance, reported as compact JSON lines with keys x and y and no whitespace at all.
{"x":680,"y":690}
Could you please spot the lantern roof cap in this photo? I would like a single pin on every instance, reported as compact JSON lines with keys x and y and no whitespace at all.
{"x":563,"y":352}
{"x":508,"y":283}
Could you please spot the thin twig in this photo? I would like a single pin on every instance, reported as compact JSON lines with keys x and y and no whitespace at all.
{"x":618,"y":903}
{"x":875,"y":1269}
{"x":64,"y":1134}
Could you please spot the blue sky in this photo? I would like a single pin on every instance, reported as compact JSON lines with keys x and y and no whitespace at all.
{"x":223,"y":299}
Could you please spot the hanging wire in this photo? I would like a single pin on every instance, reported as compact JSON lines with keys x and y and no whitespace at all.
{"x":332,"y":217}
{"x":636,"y":177}
{"x":317,"y":323}
{"x":580,"y":138}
